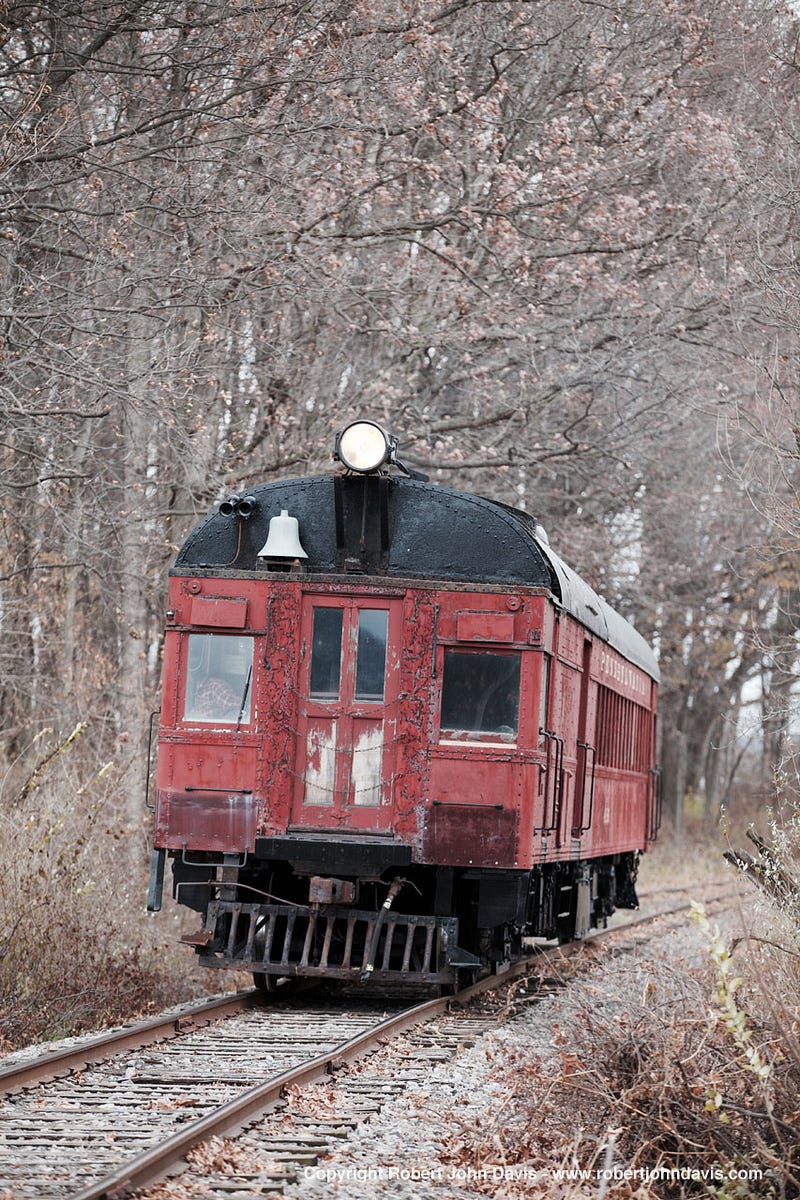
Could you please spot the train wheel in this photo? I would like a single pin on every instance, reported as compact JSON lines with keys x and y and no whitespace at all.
{"x":566,"y":911}
{"x":266,"y":984}
{"x":465,"y":977}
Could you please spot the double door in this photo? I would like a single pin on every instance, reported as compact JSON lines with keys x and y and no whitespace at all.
{"x":347,"y":712}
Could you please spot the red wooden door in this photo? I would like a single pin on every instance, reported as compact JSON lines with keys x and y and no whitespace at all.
{"x":349,"y":688}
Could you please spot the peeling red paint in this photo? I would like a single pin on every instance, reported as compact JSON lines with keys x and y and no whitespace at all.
{"x":388,"y":766}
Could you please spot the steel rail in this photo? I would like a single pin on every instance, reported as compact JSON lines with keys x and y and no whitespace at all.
{"x":521,"y":967}
{"x":157,"y":1029}
{"x":151,"y":1164}
{"x":155,"y":1162}
{"x":59,"y":1062}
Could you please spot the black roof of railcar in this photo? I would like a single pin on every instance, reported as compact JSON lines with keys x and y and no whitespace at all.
{"x":431,"y":533}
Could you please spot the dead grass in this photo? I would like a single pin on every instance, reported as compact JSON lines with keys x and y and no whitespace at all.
{"x":681,"y":862}
{"x":648,"y":1095}
{"x":671,"y":1076}
{"x":77,"y":949}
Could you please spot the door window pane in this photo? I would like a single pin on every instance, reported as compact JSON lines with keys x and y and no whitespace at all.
{"x":320,"y":767}
{"x":480,"y":693}
{"x":219,"y":677}
{"x":326,"y":654}
{"x":373,"y":627}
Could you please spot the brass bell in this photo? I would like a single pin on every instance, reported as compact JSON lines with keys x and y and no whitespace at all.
{"x":283,"y":539}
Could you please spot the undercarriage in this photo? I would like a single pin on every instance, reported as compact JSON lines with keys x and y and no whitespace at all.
{"x":428,"y":926}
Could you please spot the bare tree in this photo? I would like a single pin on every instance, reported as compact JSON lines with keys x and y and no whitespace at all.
{"x":515,"y":233}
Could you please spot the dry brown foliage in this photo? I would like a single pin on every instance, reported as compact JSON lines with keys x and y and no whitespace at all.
{"x":649,"y":1087}
{"x":77,"y":950}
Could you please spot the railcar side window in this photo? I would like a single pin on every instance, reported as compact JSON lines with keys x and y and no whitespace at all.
{"x":326,"y":654}
{"x":480,"y":693}
{"x":219,"y":677}
{"x":623,"y":732}
{"x":373,"y":628}
{"x":544,"y":700}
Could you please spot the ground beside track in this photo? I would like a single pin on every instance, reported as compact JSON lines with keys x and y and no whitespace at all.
{"x":462,"y":1126}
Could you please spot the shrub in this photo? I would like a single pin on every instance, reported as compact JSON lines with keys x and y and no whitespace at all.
{"x":77,"y":949}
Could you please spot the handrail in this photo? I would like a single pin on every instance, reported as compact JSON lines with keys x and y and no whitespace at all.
{"x":558,"y":780}
{"x":156,"y":713}
{"x":585,"y":826}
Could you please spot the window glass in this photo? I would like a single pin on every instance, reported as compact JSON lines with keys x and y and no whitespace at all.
{"x":326,"y":654}
{"x":373,"y":627}
{"x":544,"y":699}
{"x":622,"y":732}
{"x":480,"y":693}
{"x":219,"y":677}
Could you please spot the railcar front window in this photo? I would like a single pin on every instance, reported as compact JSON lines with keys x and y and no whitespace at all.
{"x":480,"y":694}
{"x":219,"y":679}
{"x":326,"y":654}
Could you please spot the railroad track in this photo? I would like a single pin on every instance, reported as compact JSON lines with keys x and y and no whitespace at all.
{"x":118,"y":1123}
{"x":115,"y":1125}
{"x":91,"y":1050}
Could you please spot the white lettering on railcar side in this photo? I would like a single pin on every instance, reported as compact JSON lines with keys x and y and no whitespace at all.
{"x":623,"y":673}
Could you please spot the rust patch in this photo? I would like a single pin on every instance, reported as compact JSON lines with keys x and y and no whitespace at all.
{"x":469,"y":835}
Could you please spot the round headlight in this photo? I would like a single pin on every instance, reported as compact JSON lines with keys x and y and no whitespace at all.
{"x":363,"y":446}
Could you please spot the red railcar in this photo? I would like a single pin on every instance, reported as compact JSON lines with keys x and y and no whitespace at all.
{"x":398,"y":734}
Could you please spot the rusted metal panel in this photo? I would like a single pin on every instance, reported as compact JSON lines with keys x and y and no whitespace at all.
{"x":225,"y":613}
{"x":485,"y":627}
{"x":469,"y":834}
{"x":278,"y":699}
{"x":620,"y":809}
{"x":194,"y":776}
{"x":484,"y":775}
{"x":202,"y":819}
{"x":325,"y":890}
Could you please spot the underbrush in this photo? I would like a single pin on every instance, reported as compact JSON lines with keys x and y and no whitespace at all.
{"x":673,"y":1076}
{"x":77,"y":949}
{"x":674,"y":863}
{"x":59,"y":977}
{"x":671,"y":1102}
{"x":648,"y":1093}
